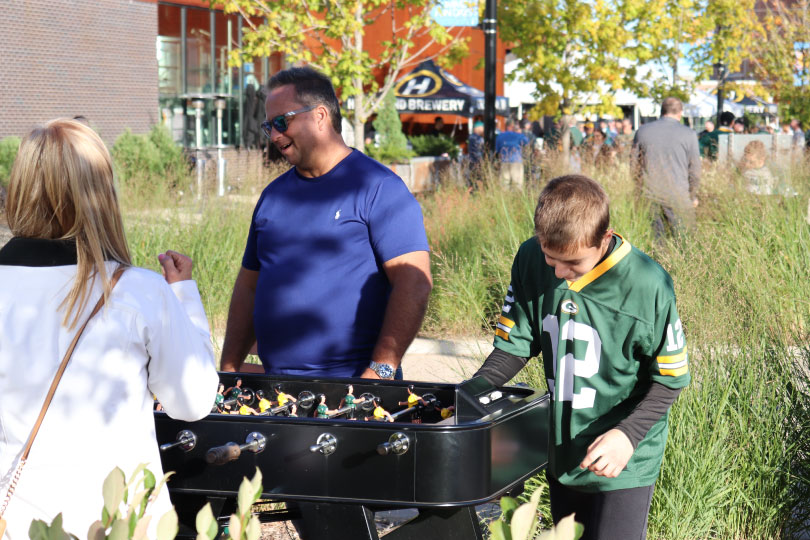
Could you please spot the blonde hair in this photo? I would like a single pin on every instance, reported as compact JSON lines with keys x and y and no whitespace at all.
{"x":573,"y":211}
{"x":61,"y":187}
{"x":754,"y":155}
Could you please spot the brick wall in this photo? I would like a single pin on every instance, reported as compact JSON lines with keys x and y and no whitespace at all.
{"x":96,"y":58}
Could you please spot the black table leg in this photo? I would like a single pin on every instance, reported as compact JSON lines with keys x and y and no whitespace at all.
{"x":336,"y":521}
{"x":440,"y":524}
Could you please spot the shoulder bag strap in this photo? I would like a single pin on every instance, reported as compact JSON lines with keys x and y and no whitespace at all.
{"x":49,"y":397}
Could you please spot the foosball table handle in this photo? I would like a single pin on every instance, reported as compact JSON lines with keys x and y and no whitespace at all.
{"x":186,"y":440}
{"x":325,"y":444}
{"x":397,"y":444}
{"x":220,"y":455}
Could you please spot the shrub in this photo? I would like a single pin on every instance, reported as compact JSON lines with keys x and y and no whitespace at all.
{"x":8,"y":152}
{"x":393,"y":145}
{"x":152,"y":155}
{"x":434,"y":145}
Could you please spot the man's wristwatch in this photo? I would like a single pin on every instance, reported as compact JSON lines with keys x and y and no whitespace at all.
{"x":385,"y":371}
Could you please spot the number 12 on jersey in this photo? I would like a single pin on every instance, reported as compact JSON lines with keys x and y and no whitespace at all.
{"x":568,"y":367}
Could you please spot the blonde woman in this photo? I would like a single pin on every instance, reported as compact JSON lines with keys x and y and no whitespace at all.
{"x":151,"y":337}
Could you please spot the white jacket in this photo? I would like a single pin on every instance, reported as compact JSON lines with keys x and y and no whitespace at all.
{"x":150,"y":338}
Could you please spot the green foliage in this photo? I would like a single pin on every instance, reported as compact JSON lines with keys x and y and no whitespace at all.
{"x":39,"y":530}
{"x":434,"y":145}
{"x":154,"y":156}
{"x":519,"y":522}
{"x":329,"y":36}
{"x":125,"y":518}
{"x":243,"y":525}
{"x":393,"y":145}
{"x":8,"y":153}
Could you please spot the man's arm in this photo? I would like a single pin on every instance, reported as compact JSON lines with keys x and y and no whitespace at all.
{"x":239,"y":333}
{"x":411,"y":283}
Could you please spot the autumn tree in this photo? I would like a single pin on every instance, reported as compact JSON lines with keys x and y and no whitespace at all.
{"x":580,"y":51}
{"x":329,"y":35}
{"x":781,"y":55}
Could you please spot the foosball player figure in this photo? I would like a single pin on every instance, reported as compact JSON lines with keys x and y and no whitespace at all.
{"x":234,"y":391}
{"x":322,"y":411}
{"x":412,"y":402}
{"x":350,"y":401}
{"x":446,"y":412}
{"x":379,"y":414}
{"x":219,"y":399}
{"x":245,"y":410}
{"x":603,"y":315}
{"x":285,"y":399}
{"x":264,"y":403}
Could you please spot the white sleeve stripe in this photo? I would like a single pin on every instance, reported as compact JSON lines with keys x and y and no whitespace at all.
{"x":672,"y":366}
{"x":504,"y":328}
{"x":510,"y":299}
{"x":506,"y":308}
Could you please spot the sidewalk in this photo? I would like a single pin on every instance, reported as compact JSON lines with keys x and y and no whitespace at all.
{"x":445,"y":361}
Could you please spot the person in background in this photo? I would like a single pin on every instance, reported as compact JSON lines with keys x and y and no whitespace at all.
{"x":624,"y":140}
{"x":666,"y":164}
{"x":509,"y":147}
{"x":726,"y":121}
{"x":739,"y":126}
{"x":707,"y":142}
{"x":798,"y":134}
{"x":531,"y":153}
{"x":759,"y":179}
{"x":475,"y":144}
{"x":438,"y":126}
{"x":150,"y":340}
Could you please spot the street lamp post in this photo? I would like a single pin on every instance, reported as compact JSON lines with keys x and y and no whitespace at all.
{"x":490,"y":34}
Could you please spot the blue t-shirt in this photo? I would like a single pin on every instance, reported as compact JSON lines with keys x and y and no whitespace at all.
{"x":509,"y":146}
{"x":319,"y":245}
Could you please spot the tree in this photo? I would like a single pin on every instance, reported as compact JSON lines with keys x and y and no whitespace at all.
{"x":329,"y":35}
{"x":781,"y":55}
{"x":725,"y":32}
{"x":581,"y":51}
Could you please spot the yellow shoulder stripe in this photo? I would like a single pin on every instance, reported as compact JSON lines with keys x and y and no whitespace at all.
{"x":501,"y":334}
{"x":612,"y":260}
{"x":674,"y":359}
{"x":506,"y":322}
{"x":675,"y":365}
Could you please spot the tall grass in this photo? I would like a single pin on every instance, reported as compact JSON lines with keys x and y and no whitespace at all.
{"x":736,"y":464}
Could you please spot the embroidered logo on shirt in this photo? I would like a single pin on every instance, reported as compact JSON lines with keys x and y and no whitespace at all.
{"x":569,"y":306}
{"x":337,"y":214}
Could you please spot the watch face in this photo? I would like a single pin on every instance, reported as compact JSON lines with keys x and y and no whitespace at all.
{"x":385,"y":371}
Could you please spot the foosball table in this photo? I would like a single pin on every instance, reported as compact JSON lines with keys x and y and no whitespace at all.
{"x":338,"y":450}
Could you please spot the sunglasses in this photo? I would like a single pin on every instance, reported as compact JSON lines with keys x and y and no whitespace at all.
{"x":282,"y":121}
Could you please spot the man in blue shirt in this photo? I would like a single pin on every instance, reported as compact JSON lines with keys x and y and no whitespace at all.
{"x":335,"y":276}
{"x":509,"y":149}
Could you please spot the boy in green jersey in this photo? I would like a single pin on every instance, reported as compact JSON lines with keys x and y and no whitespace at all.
{"x":603,"y":315}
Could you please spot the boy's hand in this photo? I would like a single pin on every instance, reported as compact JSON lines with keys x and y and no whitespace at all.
{"x":608,"y":455}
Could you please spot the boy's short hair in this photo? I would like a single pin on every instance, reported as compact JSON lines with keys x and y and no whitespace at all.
{"x":573,"y":211}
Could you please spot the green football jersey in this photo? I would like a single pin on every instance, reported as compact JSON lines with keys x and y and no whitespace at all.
{"x":604,"y":338}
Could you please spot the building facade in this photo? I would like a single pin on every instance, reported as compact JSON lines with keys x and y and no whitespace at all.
{"x":135,"y":63}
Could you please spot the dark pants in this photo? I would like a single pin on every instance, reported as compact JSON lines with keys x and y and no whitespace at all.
{"x":608,"y":515}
